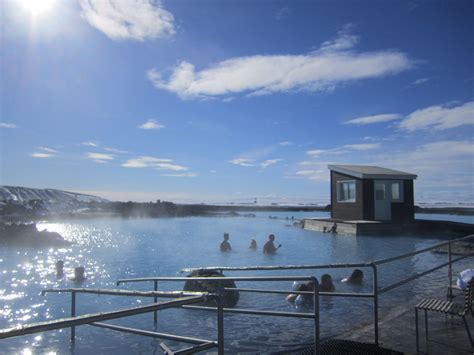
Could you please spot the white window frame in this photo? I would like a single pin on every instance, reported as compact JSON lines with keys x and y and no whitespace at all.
{"x":338,"y":193}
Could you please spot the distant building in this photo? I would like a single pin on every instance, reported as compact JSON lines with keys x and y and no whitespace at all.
{"x":371,"y":193}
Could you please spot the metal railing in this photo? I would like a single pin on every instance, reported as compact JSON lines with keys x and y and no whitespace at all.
{"x":315,"y":293}
{"x":96,"y":319}
{"x":374,"y":265}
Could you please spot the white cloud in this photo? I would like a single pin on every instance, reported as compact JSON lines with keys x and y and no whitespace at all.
{"x":129,"y":19}
{"x":285,"y":144}
{"x":316,"y":175}
{"x":335,"y":63}
{"x":7,"y":125}
{"x":41,"y":155}
{"x":151,"y":124}
{"x":242,"y":162}
{"x":439,"y":117}
{"x":114,"y":150}
{"x":374,"y":119}
{"x":316,"y":153}
{"x":100,"y":157}
{"x":90,"y":144}
{"x":363,"y":146}
{"x":155,"y":163}
{"x":180,"y":175}
{"x":268,"y":162}
{"x":420,"y":81}
{"x":49,"y":150}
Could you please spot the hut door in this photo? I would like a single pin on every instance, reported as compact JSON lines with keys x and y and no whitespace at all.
{"x":383,"y":202}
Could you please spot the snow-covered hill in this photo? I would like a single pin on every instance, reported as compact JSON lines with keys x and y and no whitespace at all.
{"x":25,"y":194}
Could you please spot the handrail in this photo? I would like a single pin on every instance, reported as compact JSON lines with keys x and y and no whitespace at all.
{"x":416,"y":276}
{"x":96,"y":317}
{"x":278,"y":267}
{"x":420,"y":251}
{"x":119,"y":292}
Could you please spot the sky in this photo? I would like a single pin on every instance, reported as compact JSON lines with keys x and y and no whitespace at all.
{"x":228,"y":101}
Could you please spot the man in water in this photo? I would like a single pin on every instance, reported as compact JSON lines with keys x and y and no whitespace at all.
{"x":269,"y":247}
{"x":79,"y":274}
{"x":59,"y":268}
{"x":225,"y":245}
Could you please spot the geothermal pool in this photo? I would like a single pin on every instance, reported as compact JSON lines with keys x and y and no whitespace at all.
{"x":111,"y":249}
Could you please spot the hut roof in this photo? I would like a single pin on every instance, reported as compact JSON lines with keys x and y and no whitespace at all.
{"x":371,"y":172}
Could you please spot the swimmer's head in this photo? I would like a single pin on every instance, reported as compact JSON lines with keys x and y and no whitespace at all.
{"x":271,"y":237}
{"x":79,"y":273}
{"x":226,"y":236}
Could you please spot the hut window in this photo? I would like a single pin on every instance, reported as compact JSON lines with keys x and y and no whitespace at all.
{"x":397,"y":191}
{"x":346,"y":191}
{"x":380,"y":192}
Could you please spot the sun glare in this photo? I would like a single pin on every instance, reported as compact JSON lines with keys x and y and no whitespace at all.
{"x":37,"y":7}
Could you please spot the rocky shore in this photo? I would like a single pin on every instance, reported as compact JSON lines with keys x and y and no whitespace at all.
{"x":28,"y":235}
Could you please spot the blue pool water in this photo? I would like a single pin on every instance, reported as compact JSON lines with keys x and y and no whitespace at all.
{"x":124,"y":248}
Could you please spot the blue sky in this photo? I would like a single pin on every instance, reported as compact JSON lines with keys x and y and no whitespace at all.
{"x":218,"y":101}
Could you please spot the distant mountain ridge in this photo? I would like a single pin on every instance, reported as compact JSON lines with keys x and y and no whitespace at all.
{"x":23,"y":194}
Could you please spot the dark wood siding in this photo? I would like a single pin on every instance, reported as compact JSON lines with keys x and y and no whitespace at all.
{"x":346,"y":210}
{"x":368,"y":203}
{"x":405,"y":211}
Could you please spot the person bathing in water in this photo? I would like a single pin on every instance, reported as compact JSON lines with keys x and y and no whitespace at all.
{"x":356,"y":277}
{"x":253,"y":244}
{"x":225,"y":245}
{"x":79,"y":274}
{"x":269,"y":247}
{"x":326,"y":284}
{"x":59,"y":268}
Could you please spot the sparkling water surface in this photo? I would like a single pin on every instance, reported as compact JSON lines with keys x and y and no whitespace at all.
{"x":115,"y":248}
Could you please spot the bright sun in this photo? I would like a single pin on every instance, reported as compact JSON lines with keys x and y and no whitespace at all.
{"x":37,"y":7}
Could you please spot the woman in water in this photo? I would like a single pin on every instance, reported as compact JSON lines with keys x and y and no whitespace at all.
{"x":356,"y":277}
{"x":326,"y":284}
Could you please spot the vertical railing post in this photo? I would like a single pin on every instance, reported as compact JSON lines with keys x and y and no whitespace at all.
{"x":376,"y":303}
{"x":73,"y":314}
{"x":155,"y":299}
{"x":220,"y":326}
{"x":450,"y":273}
{"x":317,"y":334}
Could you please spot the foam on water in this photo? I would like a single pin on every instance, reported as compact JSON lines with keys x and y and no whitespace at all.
{"x":117,"y":248}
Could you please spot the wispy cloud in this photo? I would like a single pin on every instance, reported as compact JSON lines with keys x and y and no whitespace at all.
{"x":154,"y":163}
{"x":439,"y":117}
{"x":90,"y":144}
{"x":129,"y":19}
{"x":41,"y":155}
{"x":374,"y":119}
{"x":316,"y":175}
{"x":44,"y":153}
{"x":268,"y":162}
{"x":46,"y":149}
{"x":335,"y":63}
{"x":363,"y":146}
{"x":420,"y":81}
{"x":100,"y":157}
{"x":242,"y":162}
{"x":151,"y":124}
{"x":114,"y":150}
{"x":7,"y":125}
{"x":285,"y":143}
{"x":180,"y":175}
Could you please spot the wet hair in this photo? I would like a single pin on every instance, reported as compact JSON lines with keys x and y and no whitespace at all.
{"x":79,"y":272}
{"x":326,"y":283}
{"x":271,"y":236}
{"x":356,"y":276}
{"x":226,"y":236}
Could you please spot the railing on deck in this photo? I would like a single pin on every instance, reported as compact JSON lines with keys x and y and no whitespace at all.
{"x":96,"y":319}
